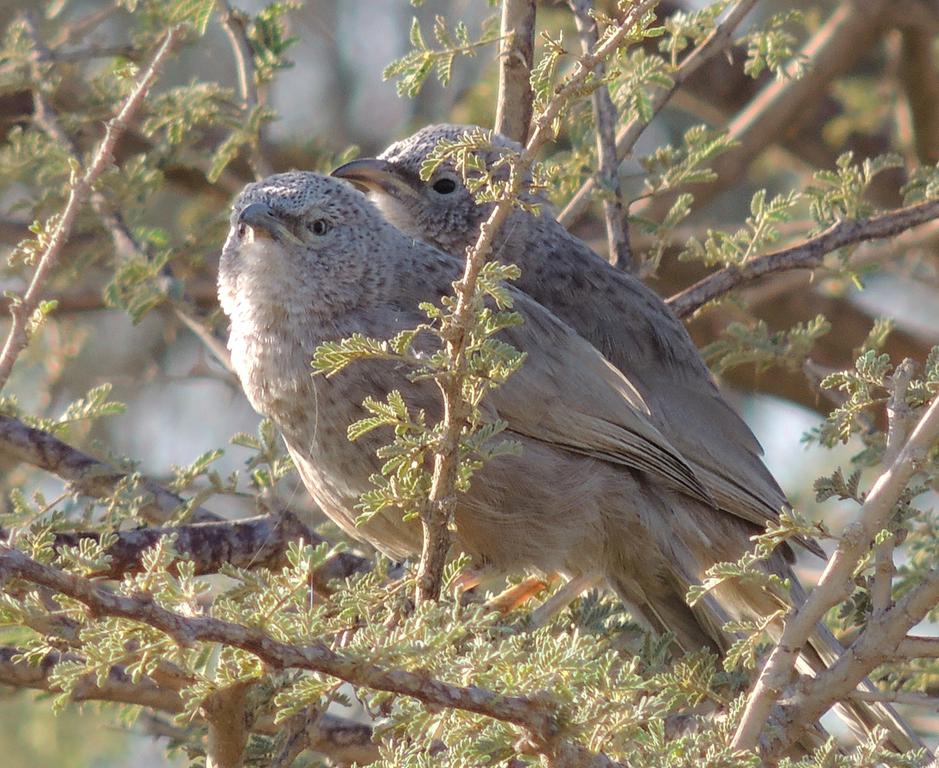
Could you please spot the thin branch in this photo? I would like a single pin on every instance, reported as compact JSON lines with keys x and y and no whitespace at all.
{"x":233,"y":23}
{"x":211,"y":342}
{"x":516,"y":55}
{"x":203,"y":293}
{"x":85,"y":474}
{"x":23,"y":310}
{"x":805,"y":255}
{"x":129,"y":52}
{"x":898,"y":424}
{"x":125,"y":243}
{"x":605,"y":119}
{"x":44,"y":115}
{"x":437,"y":513}
{"x":533,"y":716}
{"x":836,"y":581}
{"x":629,"y":134}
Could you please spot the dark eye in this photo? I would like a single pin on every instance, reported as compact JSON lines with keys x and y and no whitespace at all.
{"x":444,"y":186}
{"x":319,"y":227}
{"x":242,"y":230}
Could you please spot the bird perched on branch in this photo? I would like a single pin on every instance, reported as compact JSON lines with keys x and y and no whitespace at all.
{"x":615,"y":311}
{"x":597,"y":488}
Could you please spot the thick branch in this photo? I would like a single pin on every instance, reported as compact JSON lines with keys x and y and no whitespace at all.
{"x":629,"y":134}
{"x":836,"y":581}
{"x":258,"y":542}
{"x":24,"y":309}
{"x":514,"y":105}
{"x":915,"y":647}
{"x":605,"y":119}
{"x":224,"y":711}
{"x":805,"y":255}
{"x":898,"y":423}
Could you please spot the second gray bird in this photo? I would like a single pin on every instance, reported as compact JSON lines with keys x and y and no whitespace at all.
{"x":617,"y":313}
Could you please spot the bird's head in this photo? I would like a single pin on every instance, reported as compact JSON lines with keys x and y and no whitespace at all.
{"x":441,"y":210}
{"x":299,"y":240}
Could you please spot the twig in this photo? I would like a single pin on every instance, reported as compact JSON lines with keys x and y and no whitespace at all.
{"x":23,"y":310}
{"x":74,"y":30}
{"x":234,"y":24}
{"x":531,"y":715}
{"x":605,"y":119}
{"x":629,"y":134}
{"x":805,"y":255}
{"x":898,"y":423}
{"x":516,"y":54}
{"x":437,"y":513}
{"x":96,"y":52}
{"x":215,"y":346}
{"x":836,"y":581}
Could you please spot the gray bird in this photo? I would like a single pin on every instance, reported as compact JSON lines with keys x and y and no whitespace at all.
{"x":597,"y":489}
{"x":615,"y":311}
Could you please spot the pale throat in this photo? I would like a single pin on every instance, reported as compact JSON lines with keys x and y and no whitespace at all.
{"x":395,"y":212}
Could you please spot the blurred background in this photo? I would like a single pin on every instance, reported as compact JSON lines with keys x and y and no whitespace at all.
{"x":181,"y":403}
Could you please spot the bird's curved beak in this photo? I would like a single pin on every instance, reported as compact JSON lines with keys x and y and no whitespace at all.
{"x":263,"y":223}
{"x":373,"y":175}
